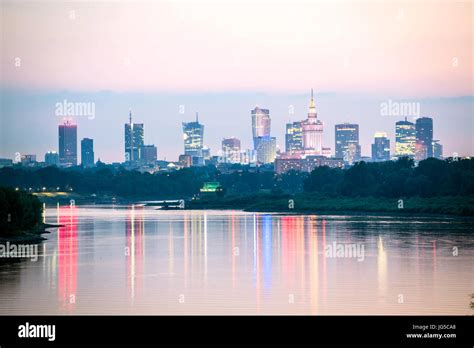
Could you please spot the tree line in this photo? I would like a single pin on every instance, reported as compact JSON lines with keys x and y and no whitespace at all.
{"x":430,"y":178}
{"x":19,"y":211}
{"x":399,"y":178}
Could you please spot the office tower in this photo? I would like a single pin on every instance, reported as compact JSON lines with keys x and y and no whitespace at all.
{"x":67,"y":144}
{"x":312,"y":131}
{"x":381,"y":147}
{"x":424,"y":138}
{"x":347,"y":134}
{"x":231,"y":150}
{"x":266,"y":149}
{"x":437,"y":149}
{"x":87,"y":152}
{"x":260,"y":124}
{"x":294,"y":137}
{"x":206,"y":153}
{"x":193,"y":134}
{"x":51,"y":158}
{"x":28,"y":159}
{"x":306,"y":164}
{"x":405,"y":137}
{"x":352,"y":154}
{"x":148,"y":154}
{"x":134,"y":139}
{"x":248,"y":156}
{"x":185,"y":160}
{"x":244,"y":157}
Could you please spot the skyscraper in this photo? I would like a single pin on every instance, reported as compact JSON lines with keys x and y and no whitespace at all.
{"x":185,"y":160}
{"x":248,"y":156}
{"x":193,"y":134}
{"x":28,"y":160}
{"x":352,"y":154}
{"x":206,"y":153}
{"x":424,"y":138}
{"x":266,"y":150}
{"x":134,"y":139}
{"x":381,"y":147}
{"x":437,"y":149}
{"x":405,"y":137}
{"x":87,"y":152}
{"x":261,"y":124}
{"x":294,"y":137}
{"x":51,"y":158}
{"x":231,"y":150}
{"x":312,"y":131}
{"x":148,"y":154}
{"x":347,"y":134}
{"x":67,"y":143}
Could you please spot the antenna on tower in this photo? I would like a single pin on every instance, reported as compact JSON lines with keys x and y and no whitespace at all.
{"x":197,"y":117}
{"x":130,"y":116}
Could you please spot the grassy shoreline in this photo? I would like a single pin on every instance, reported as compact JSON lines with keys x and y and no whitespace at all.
{"x":307,"y":203}
{"x":454,"y":206}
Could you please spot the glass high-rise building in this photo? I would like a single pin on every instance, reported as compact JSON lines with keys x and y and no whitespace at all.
{"x":51,"y":158}
{"x":437,"y":149}
{"x":248,"y":156}
{"x":347,"y":138}
{"x":231,"y":150}
{"x":261,"y":124}
{"x":87,"y":152}
{"x":193,"y":135}
{"x":28,"y":159}
{"x":405,"y":138}
{"x":206,"y":153}
{"x":381,"y":147}
{"x":424,"y":138}
{"x":294,"y":137}
{"x":148,"y":154}
{"x":67,"y":144}
{"x":266,"y":149}
{"x":134,"y":140}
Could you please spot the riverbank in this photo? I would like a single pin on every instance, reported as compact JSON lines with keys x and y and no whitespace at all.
{"x":66,"y":198}
{"x":456,"y":206}
{"x":302,"y":203}
{"x":33,"y":236}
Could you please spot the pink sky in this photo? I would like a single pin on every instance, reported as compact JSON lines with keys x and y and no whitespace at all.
{"x":406,"y":49}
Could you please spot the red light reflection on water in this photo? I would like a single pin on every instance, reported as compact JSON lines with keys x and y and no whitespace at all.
{"x":67,"y":257}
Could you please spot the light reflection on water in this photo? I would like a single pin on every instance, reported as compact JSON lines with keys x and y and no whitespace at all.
{"x":137,"y":260}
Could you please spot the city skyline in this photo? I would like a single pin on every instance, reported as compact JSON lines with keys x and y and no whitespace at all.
{"x":411,"y":139}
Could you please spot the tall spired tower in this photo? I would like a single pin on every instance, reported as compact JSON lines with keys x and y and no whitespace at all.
{"x":312,"y":131}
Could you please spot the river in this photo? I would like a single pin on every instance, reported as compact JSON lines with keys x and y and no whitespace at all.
{"x":139,"y":260}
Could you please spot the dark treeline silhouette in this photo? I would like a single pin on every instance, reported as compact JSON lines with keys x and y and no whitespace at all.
{"x":19,"y":211}
{"x":129,"y":184}
{"x":432,"y":177}
{"x":400,"y":178}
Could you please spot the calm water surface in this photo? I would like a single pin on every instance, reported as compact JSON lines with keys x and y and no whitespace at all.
{"x":138,"y":260}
